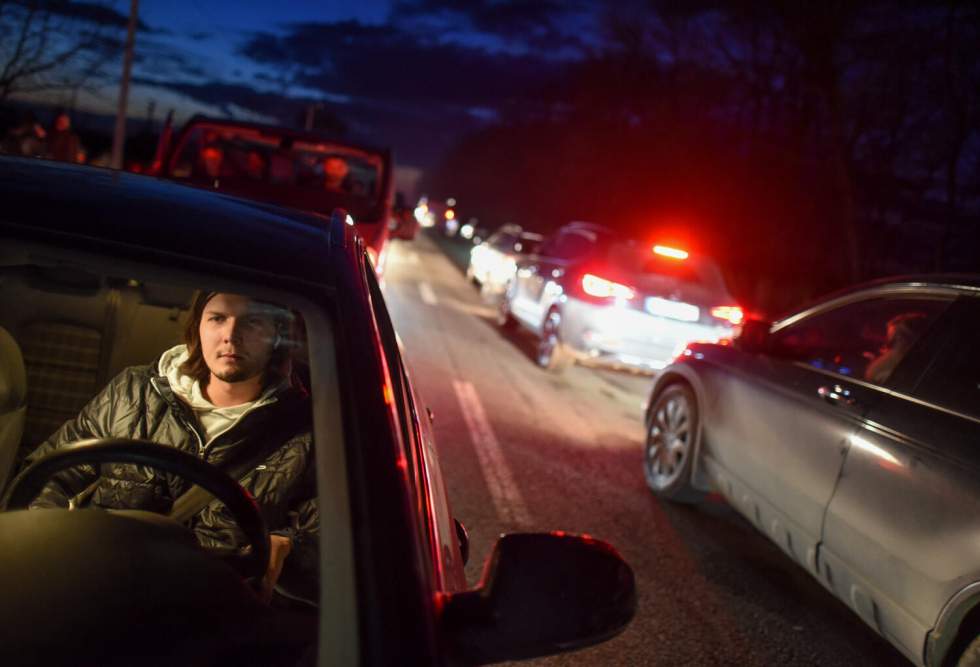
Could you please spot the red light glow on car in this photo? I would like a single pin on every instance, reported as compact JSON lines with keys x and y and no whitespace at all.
{"x":731,"y":314}
{"x":604,"y":289}
{"x":667,"y":251}
{"x":388,"y":394}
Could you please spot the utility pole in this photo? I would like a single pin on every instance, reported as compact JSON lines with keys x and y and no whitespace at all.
{"x":119,"y":136}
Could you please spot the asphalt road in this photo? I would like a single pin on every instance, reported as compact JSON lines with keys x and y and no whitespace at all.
{"x":523,"y":450}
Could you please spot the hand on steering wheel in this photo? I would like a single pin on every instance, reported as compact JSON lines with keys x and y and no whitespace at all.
{"x":239,"y":502}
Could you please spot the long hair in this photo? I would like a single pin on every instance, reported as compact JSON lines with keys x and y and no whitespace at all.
{"x":280,"y":366}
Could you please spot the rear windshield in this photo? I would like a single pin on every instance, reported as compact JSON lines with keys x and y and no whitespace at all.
{"x":314,"y":176}
{"x":639,"y":258}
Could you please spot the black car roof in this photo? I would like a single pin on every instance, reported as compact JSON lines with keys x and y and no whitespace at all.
{"x":103,"y":206}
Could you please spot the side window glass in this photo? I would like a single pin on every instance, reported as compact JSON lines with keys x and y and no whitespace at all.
{"x":953,"y":380}
{"x":865,"y":340}
{"x":404,"y":403}
{"x":504,"y":243}
{"x":549,"y":246}
{"x":574,"y":244}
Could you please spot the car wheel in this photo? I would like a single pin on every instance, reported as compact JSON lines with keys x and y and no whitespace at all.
{"x":504,"y":318}
{"x":672,"y":428}
{"x":552,"y":354}
{"x":971,"y":654}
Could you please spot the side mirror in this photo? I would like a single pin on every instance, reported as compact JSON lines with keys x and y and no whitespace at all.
{"x":541,"y":593}
{"x":754,"y":337}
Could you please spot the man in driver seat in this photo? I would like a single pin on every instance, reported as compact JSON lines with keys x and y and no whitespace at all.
{"x":227,"y":395}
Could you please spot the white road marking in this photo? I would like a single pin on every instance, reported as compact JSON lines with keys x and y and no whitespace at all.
{"x":428,"y":296}
{"x":504,"y":492}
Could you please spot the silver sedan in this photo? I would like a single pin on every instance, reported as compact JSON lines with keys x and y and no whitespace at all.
{"x":848,"y":433}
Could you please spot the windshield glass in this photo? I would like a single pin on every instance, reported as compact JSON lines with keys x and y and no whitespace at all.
{"x":93,"y":353}
{"x":638,"y":258}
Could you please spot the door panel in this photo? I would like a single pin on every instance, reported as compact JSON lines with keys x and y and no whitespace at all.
{"x":785,"y":425}
{"x":903,"y":529}
{"x":783,"y":444}
{"x":902,"y":532}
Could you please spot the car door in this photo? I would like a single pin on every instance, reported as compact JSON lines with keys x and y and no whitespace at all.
{"x":902,"y":532}
{"x":780,"y":434}
{"x":528,"y":286}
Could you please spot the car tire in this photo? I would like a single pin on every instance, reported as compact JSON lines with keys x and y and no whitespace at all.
{"x":505,"y":320}
{"x":970,"y":657}
{"x":671,"y":444}
{"x":551,"y":353}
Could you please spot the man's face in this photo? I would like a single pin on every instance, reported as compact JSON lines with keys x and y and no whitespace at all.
{"x":237,"y":335}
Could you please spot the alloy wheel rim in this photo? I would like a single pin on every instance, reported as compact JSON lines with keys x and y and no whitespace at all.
{"x":503,"y":310}
{"x":546,"y":348}
{"x":668,"y":441}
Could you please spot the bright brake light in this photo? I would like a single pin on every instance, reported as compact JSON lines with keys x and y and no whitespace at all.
{"x":667,"y":251}
{"x":602,"y":288}
{"x":731,"y":314}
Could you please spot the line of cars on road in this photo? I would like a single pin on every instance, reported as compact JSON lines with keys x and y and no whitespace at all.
{"x":593,"y":297}
{"x":848,"y":432}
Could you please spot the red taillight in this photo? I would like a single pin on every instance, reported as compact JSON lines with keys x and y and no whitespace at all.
{"x":731,"y":314}
{"x":605,"y":289}
{"x":667,"y":251}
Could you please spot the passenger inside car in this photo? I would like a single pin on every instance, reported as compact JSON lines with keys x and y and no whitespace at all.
{"x":902,"y":332}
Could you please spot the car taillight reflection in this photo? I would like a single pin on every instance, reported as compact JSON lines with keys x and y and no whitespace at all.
{"x":732,"y":314}
{"x":603,"y":289}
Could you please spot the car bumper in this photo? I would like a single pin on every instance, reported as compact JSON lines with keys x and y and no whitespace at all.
{"x":625,"y":337}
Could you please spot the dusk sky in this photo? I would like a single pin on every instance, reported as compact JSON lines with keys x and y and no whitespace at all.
{"x":411,"y":74}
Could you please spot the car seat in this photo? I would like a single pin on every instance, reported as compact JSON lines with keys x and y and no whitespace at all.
{"x":13,"y":407}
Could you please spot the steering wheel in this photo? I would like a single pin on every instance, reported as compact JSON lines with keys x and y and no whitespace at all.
{"x":239,"y":502}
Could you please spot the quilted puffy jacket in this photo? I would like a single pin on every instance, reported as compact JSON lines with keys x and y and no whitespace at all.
{"x":140,"y":404}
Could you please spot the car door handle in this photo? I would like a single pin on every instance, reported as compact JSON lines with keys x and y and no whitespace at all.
{"x":836,"y":395}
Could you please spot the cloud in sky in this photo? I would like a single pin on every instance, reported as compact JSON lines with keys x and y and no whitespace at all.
{"x":386,"y":64}
{"x":437,"y":67}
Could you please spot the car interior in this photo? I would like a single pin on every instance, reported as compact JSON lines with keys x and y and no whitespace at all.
{"x":65,"y":331}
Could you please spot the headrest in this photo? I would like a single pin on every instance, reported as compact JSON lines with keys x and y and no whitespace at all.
{"x":13,"y":376}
